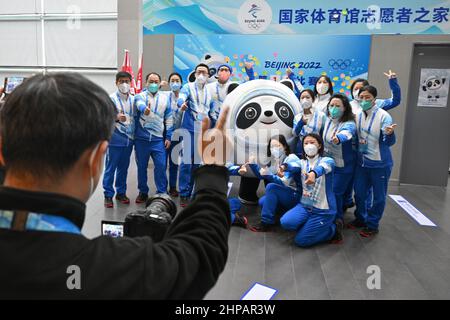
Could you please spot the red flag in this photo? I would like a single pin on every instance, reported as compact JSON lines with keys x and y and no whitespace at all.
{"x":126,"y":66}
{"x":139,"y":75}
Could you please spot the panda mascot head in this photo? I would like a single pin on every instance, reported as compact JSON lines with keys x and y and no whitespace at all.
{"x":433,"y":86}
{"x":260,"y":109}
{"x":213,"y":61}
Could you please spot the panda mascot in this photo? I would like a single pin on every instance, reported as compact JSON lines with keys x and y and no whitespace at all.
{"x":259,"y":109}
{"x":434,"y":88}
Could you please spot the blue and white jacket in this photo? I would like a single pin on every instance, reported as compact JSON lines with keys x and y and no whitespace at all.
{"x":199,"y":106}
{"x":123,"y":134}
{"x":370,"y":126}
{"x":176,"y":112}
{"x":343,"y":153}
{"x":159,"y":120}
{"x":322,"y":195}
{"x":385,"y":104}
{"x":315,"y":124}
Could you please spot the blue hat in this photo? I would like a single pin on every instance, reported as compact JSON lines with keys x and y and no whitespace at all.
{"x":225,"y":65}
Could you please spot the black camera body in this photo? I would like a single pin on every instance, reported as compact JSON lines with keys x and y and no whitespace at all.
{"x":154,"y":220}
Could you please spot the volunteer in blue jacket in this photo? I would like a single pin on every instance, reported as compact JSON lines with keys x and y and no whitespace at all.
{"x":313,"y":218}
{"x":386,"y":104}
{"x":309,"y":120}
{"x":154,"y":118}
{"x":339,"y":137}
{"x":218,"y":90}
{"x":121,"y":144}
{"x":323,"y":89}
{"x":375,"y":135}
{"x":175,"y":83}
{"x":195,"y":104}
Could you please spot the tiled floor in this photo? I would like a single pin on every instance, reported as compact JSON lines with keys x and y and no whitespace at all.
{"x":414,"y":260}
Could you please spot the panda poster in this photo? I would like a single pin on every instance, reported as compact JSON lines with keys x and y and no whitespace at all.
{"x":433,"y":91}
{"x":308,"y":57}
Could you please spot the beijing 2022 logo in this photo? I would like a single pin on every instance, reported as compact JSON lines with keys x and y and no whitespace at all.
{"x":254,"y":16}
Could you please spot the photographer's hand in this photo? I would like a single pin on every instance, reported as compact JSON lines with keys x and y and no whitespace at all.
{"x":214,"y":145}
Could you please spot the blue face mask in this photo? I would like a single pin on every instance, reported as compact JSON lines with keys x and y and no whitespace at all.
{"x":175,"y":86}
{"x":335,"y":112}
{"x":153,"y":87}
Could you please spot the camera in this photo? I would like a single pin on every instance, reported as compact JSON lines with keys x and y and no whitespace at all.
{"x":154,"y":220}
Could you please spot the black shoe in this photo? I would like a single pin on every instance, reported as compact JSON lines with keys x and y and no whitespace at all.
{"x":367,"y":232}
{"x":173,"y":192}
{"x":141,"y":198}
{"x":355,"y":224}
{"x":261,"y":227}
{"x":240,"y":221}
{"x":339,"y":234}
{"x":184,"y":201}
{"x":348,"y":206}
{"x":108,"y":202}
{"x":122,"y":198}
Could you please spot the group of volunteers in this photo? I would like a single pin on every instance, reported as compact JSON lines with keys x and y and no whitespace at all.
{"x":343,"y":151}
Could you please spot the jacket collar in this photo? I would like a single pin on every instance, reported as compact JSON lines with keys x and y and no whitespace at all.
{"x":43,"y":202}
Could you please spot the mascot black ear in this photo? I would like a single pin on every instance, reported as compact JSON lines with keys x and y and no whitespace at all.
{"x":288,"y":83}
{"x":231,"y":87}
{"x":191,"y":77}
{"x":443,"y":80}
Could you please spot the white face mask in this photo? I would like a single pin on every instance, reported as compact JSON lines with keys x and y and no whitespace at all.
{"x":355,"y":95}
{"x":322,"y":88}
{"x":124,"y":88}
{"x":92,"y":183}
{"x":201,"y":79}
{"x":310,"y":149}
{"x":277,"y":152}
{"x":306,"y":103}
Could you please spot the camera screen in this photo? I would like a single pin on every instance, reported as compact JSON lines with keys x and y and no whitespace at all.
{"x":11,"y":83}
{"x":112,"y":228}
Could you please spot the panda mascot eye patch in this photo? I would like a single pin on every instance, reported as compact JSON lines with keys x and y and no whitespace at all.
{"x":248,"y":115}
{"x":285,"y":113}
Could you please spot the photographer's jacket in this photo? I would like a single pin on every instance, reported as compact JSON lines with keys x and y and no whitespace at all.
{"x":45,"y":263}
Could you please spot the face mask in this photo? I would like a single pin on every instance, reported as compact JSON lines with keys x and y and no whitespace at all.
{"x":322,"y":88}
{"x":306,"y":103}
{"x":310,"y":150}
{"x":335,"y":112}
{"x":175,"y":86}
{"x":153,"y":87}
{"x":201,"y":79}
{"x":124,"y":88}
{"x":365,"y":104}
{"x":91,"y":160}
{"x":277,"y":152}
{"x":355,"y":95}
{"x":224,"y":76}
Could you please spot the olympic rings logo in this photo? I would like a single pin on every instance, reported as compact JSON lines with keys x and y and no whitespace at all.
{"x":254,"y":25}
{"x":339,"y":64}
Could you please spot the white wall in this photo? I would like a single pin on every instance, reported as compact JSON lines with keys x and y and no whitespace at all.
{"x":59,"y":35}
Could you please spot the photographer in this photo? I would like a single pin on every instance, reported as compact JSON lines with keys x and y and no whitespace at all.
{"x":54,"y":133}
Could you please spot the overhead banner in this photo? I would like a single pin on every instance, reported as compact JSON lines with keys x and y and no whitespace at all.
{"x":307,"y":56}
{"x":296,"y":17}
{"x":434,"y":84}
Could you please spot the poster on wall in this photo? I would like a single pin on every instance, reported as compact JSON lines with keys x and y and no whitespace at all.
{"x":433,"y":91}
{"x":308,"y":57}
{"x":296,"y":17}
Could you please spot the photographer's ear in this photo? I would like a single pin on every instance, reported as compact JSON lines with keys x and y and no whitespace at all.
{"x":2,"y":160}
{"x":96,"y":159}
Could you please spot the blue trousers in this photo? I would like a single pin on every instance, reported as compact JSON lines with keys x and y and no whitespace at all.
{"x":173,"y":166}
{"x":145,"y":150}
{"x":117,"y":162}
{"x":341,"y":183}
{"x":366,"y":179}
{"x":277,"y":197}
{"x":312,"y":225}
{"x":348,"y":196}
{"x":185,"y":181}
